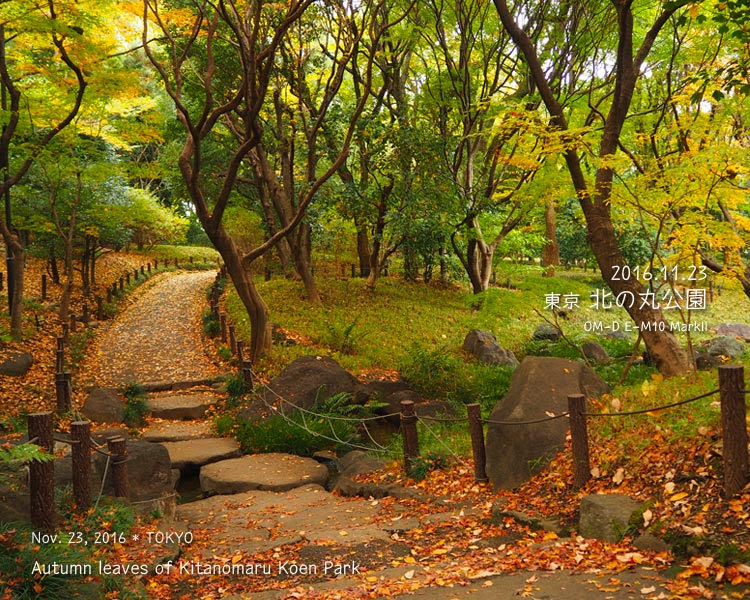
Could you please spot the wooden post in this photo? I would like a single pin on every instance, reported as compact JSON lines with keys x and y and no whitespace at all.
{"x":72,"y":323}
{"x":42,"y":474}
{"x":1,"y":280}
{"x":86,"y":316}
{"x":63,"y":394}
{"x":109,"y":295}
{"x":148,"y":266}
{"x":65,"y":332}
{"x":268,"y":274}
{"x":59,"y":360}
{"x":247,"y":375}
{"x":190,"y":260}
{"x":477,"y":441}
{"x":409,"y":432}
{"x":734,"y":427}
{"x":117,"y":446}
{"x":156,"y":263}
{"x":44,"y":287}
{"x":135,"y":274}
{"x":80,"y":431}
{"x":223,"y":327}
{"x":176,"y":262}
{"x":240,"y":354}
{"x":122,"y":284}
{"x":127,"y":277}
{"x":354,"y":271}
{"x":143,"y":270}
{"x":580,"y":439}
{"x":61,"y":343}
{"x":99,"y":308}
{"x":232,"y":340}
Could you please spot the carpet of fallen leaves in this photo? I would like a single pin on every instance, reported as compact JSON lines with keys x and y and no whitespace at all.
{"x":35,"y":391}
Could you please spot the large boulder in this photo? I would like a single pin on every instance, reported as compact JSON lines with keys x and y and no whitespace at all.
{"x":736,"y":330}
{"x":539,"y":387}
{"x":313,"y":377}
{"x":104,"y":405}
{"x":483,"y":345}
{"x":16,"y":364}
{"x":149,"y":471}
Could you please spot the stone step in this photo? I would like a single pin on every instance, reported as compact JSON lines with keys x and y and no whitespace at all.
{"x":275,"y":472}
{"x":180,"y":407}
{"x":199,"y":452}
{"x":176,"y":431}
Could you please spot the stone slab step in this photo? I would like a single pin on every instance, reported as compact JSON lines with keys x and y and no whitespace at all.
{"x":199,"y":452}
{"x":176,"y":431}
{"x":181,"y":407}
{"x":275,"y":472}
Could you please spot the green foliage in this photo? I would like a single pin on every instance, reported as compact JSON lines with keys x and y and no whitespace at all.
{"x":236,"y":387}
{"x":135,"y":412}
{"x":25,"y":453}
{"x":342,"y":336}
{"x":224,"y":352}
{"x":293,"y":434}
{"x":224,"y":425}
{"x":423,"y":465}
{"x":439,"y":374}
{"x":211,"y":325}
{"x":133,"y":390}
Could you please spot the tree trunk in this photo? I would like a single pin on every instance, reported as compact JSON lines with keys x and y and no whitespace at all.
{"x":68,"y":283}
{"x":479,"y":256}
{"x":16,"y":274}
{"x":551,"y":250}
{"x":303,"y":262}
{"x":257,"y":310}
{"x":363,"y":249}
{"x":53,"y":265}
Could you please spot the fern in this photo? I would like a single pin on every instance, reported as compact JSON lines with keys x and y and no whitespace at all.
{"x":24,"y":453}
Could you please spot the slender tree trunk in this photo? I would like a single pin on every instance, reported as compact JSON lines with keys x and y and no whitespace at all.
{"x":67,"y":284}
{"x":363,"y":248}
{"x":551,"y":250}
{"x":257,"y":310}
{"x":53,"y":265}
{"x":16,"y":274}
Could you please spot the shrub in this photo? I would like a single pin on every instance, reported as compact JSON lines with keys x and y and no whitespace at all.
{"x":211,"y":325}
{"x":132,"y":390}
{"x":135,"y":412}
{"x":343,"y":337}
{"x":421,"y":466}
{"x":236,"y":387}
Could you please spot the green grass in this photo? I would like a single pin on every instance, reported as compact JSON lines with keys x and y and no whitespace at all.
{"x":183,"y":253}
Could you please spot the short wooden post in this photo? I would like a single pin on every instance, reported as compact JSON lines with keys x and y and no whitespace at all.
{"x":580,"y":439}
{"x":477,"y":441}
{"x":61,"y":343}
{"x":65,"y":332}
{"x":118,"y":448}
{"x":247,"y":375}
{"x":122,"y":284}
{"x":99,"y":308}
{"x":156,"y":263}
{"x":267,"y":274}
{"x":59,"y":360}
{"x":734,"y":427}
{"x":42,"y":474}
{"x":409,"y":432}
{"x":127,"y":278}
{"x":135,"y":274}
{"x":109,"y":295}
{"x":143,"y":270}
{"x":44,"y":287}
{"x":80,"y":431}
{"x":232,"y":340}
{"x":2,"y":275}
{"x":73,"y":321}
{"x":223,"y":327}
{"x":240,"y":352}
{"x":176,"y":262}
{"x":63,"y":394}
{"x":148,"y":266}
{"x":354,"y":271}
{"x":86,"y":316}
{"x":190,"y":260}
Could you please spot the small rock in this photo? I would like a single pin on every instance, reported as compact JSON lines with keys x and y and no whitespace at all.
{"x":706,"y":362}
{"x":483,"y":345}
{"x":651,"y":543}
{"x":616,"y":335}
{"x":201,"y":451}
{"x":104,"y":405}
{"x":595,"y":353}
{"x":606,"y":517}
{"x":545,"y":331}
{"x":16,"y":364}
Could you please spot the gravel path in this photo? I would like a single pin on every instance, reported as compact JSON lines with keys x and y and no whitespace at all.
{"x":158,"y":337}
